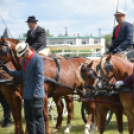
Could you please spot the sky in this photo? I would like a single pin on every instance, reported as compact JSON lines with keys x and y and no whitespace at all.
{"x":79,"y":16}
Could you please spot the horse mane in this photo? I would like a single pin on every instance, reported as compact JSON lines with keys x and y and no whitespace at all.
{"x":78,"y":72}
{"x":14,"y":41}
{"x":121,"y":60}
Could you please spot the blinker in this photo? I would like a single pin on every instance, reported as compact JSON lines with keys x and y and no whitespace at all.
{"x":4,"y":50}
{"x":108,"y":67}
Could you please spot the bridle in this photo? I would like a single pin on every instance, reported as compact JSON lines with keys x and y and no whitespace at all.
{"x":108,"y":68}
{"x":5,"y":50}
{"x":91,"y":75}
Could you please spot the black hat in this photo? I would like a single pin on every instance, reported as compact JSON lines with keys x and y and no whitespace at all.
{"x":31,"y":19}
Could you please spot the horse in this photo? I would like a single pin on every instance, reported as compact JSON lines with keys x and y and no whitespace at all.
{"x":119,"y":68}
{"x":13,"y":95}
{"x":88,"y":76}
{"x":67,"y":77}
{"x":7,"y":111}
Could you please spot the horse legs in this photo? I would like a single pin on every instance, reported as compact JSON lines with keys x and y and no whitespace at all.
{"x":91,"y":109}
{"x":103,"y":113}
{"x":7,"y":111}
{"x":17,"y":105}
{"x":46,"y":116}
{"x":59,"y":106}
{"x":11,"y":104}
{"x":119,"y":121}
{"x":130,"y":121}
{"x":70,"y":107}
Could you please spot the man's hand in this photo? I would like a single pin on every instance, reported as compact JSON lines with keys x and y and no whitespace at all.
{"x":5,"y":68}
{"x":35,"y":96}
{"x":118,"y":84}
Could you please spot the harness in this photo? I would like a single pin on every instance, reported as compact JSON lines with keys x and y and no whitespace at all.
{"x":57,"y":76}
{"x":56,"y":83}
{"x":105,"y":81}
{"x":91,"y":75}
{"x":5,"y":50}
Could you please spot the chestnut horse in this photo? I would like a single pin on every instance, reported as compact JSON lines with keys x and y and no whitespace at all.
{"x":89,"y":79}
{"x":119,"y":68}
{"x":13,"y":95}
{"x":67,"y":77}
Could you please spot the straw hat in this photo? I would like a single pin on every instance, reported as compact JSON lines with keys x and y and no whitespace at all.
{"x":21,"y":48}
{"x":120,"y":11}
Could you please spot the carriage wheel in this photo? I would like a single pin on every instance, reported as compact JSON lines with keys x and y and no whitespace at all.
{"x":52,"y":109}
{"x":85,"y":114}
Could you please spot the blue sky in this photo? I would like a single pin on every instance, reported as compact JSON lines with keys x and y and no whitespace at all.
{"x":82,"y":16}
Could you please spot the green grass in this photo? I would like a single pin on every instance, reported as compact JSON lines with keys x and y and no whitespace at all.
{"x":77,"y":124}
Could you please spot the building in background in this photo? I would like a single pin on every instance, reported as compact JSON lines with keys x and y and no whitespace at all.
{"x":74,"y":43}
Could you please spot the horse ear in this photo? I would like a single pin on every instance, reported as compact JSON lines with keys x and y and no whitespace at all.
{"x":109,"y":57}
{"x":90,"y":63}
{"x":3,"y":39}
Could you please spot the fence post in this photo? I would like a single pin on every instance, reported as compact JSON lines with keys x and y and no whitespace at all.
{"x":77,"y":52}
{"x":62,"y":52}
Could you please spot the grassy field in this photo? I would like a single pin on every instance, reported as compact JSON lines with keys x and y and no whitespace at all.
{"x":77,"y":124}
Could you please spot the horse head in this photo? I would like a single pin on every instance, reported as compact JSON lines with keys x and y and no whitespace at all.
{"x":88,"y":75}
{"x":105,"y":71}
{"x":8,"y":52}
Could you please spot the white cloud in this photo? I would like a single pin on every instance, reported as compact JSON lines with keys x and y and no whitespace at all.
{"x":84,"y":16}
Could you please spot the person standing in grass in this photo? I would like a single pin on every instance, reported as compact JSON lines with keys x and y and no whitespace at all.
{"x":32,"y":74}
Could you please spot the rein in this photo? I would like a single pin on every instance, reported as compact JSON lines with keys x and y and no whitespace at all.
{"x":99,"y":101}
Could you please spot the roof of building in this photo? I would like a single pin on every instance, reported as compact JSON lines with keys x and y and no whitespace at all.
{"x":69,"y":37}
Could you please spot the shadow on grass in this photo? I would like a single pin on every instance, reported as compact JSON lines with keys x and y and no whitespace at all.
{"x":113,"y":125}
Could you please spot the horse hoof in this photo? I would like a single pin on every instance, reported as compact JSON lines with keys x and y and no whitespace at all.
{"x":86,"y":132}
{"x":55,"y":131}
{"x":67,"y":130}
{"x":92,"y":131}
{"x":87,"y":128}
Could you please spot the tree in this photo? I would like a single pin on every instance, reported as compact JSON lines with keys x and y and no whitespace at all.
{"x":108,"y":38}
{"x":47,"y":33}
{"x":5,"y":34}
{"x":24,"y":34}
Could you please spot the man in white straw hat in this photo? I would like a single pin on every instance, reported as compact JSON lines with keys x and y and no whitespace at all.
{"x":32,"y":73}
{"x":122,"y":39}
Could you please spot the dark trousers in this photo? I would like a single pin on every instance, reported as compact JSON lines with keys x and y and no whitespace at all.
{"x":34,"y":116}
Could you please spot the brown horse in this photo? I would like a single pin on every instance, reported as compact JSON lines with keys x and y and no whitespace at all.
{"x":89,"y":79}
{"x":67,"y":77}
{"x":118,"y":68}
{"x":13,"y":95}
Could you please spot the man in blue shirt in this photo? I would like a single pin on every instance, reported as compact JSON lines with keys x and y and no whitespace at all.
{"x":122,"y":39}
{"x":32,"y":73}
